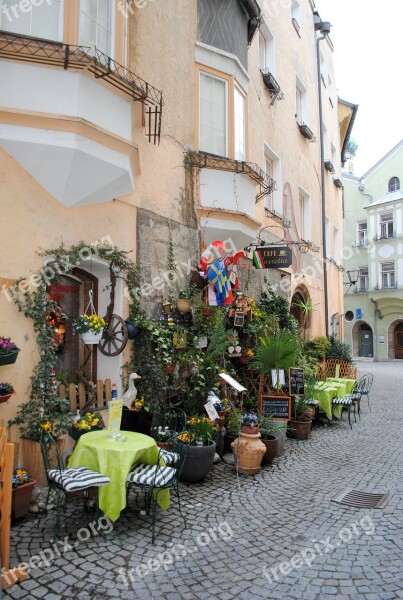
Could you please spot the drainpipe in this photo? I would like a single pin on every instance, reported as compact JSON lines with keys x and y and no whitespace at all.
{"x":375,"y":336}
{"x":325,"y":30}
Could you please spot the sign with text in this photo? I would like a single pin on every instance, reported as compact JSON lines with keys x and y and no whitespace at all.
{"x":296,"y":382}
{"x":272,"y":257}
{"x":278,"y":407}
{"x":115,"y":408}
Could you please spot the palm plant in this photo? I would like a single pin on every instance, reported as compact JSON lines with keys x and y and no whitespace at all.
{"x":276,"y":352}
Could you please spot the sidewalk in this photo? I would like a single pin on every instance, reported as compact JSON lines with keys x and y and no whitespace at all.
{"x":275,"y":535}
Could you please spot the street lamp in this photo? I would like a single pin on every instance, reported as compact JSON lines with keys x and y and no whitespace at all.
{"x":352,"y":278}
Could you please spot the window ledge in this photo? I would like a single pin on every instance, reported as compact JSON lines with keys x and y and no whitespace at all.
{"x":297,"y":26}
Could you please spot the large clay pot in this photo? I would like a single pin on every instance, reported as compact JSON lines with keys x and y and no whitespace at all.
{"x":271,"y":444}
{"x":280,"y":434}
{"x":197,"y":463}
{"x":300,"y":430}
{"x":248,"y":450}
{"x":183,"y":305}
{"x":21,"y":499}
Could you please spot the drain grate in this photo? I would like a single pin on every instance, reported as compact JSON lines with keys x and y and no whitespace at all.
{"x":357,"y":499}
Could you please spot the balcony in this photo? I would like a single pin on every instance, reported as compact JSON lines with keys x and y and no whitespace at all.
{"x":272,"y":85}
{"x":360,"y":243}
{"x":80,"y":150}
{"x":306,"y":132}
{"x":361,"y":290}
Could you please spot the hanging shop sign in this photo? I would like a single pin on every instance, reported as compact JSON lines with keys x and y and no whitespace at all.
{"x":272,"y":257}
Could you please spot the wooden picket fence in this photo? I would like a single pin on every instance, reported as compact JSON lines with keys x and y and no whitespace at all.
{"x":80,"y":395}
{"x":334,"y":367}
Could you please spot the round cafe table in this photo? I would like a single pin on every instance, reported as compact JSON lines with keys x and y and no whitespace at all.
{"x":97,"y":450}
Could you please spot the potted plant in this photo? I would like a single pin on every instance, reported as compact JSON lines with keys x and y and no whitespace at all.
{"x":185,"y":297}
{"x":274,"y":353}
{"x":249,"y":423}
{"x":6,"y":391}
{"x":246,"y":357}
{"x":8,"y":351}
{"x":88,"y":422}
{"x":269,"y":431}
{"x":23,"y":487}
{"x":300,"y":425}
{"x":90,"y":328}
{"x":200,"y":456}
{"x":232,"y":428}
{"x":162,"y":435}
{"x":133,"y":331}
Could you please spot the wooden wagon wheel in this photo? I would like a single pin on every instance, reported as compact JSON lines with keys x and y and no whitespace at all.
{"x":115,"y":337}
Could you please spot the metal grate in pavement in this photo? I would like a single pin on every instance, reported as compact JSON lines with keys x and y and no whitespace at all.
{"x":358,"y":499}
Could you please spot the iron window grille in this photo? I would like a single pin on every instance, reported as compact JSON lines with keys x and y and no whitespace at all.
{"x":37,"y":51}
{"x":205,"y":160}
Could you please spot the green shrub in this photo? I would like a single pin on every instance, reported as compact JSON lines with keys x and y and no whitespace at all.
{"x":339,"y":350}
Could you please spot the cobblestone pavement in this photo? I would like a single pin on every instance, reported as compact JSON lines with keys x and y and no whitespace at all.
{"x":239,"y":532}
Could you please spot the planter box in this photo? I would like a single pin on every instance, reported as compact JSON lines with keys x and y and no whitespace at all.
{"x":21,"y":499}
{"x":8,"y":359}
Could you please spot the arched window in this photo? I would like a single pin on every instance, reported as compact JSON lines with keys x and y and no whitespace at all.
{"x":394,"y":184}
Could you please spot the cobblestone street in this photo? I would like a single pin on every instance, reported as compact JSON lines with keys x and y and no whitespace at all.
{"x":240,"y":531}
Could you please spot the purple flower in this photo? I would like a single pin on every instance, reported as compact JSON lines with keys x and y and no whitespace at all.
{"x":6,"y":345}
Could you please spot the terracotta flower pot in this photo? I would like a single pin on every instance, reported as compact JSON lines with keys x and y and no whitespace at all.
{"x":250,"y":430}
{"x":7,"y":396}
{"x":244,"y":360}
{"x":300,"y":430}
{"x":248,"y":450}
{"x":164,"y":446}
{"x":183,"y":305}
{"x":21,"y":499}
{"x":271,"y":443}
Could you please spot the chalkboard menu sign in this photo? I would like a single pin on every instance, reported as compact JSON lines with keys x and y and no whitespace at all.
{"x":279,"y":407}
{"x":296,"y":382}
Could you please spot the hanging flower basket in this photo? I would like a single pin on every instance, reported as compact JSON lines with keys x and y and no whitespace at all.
{"x":8,"y":359}
{"x":6,"y":397}
{"x":90,"y":337}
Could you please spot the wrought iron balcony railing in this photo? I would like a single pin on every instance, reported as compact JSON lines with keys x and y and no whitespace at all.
{"x":360,"y":290}
{"x":55,"y":54}
{"x":204,"y":160}
{"x":379,"y":286}
{"x":384,"y":236}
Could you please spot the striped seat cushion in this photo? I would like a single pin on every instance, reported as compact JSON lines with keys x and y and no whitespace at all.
{"x":151,"y":475}
{"x":79,"y":478}
{"x":170,"y":458}
{"x":344,"y":401}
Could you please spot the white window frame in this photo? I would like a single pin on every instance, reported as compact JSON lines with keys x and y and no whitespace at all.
{"x":305,"y":214}
{"x":363,"y":279}
{"x":5,"y":21}
{"x":267,"y":37}
{"x":296,"y":16}
{"x":302,"y":114}
{"x":112,"y":17}
{"x":361,"y":233}
{"x":274,"y":201}
{"x":239,"y":156}
{"x":327,"y":234}
{"x":336,"y":245}
{"x":391,"y":183}
{"x":333,"y":153}
{"x":386,"y":227}
{"x":325,"y":142}
{"x":331,"y":90}
{"x":387,"y":275}
{"x":222,"y":79}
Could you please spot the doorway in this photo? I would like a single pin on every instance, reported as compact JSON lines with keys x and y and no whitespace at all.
{"x":399,"y":341}
{"x":366,"y":341}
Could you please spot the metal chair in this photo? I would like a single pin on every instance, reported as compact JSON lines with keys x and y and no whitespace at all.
{"x":349,"y":401}
{"x":364,"y":386}
{"x":152,"y":479}
{"x":66,"y":481}
{"x":174,"y":422}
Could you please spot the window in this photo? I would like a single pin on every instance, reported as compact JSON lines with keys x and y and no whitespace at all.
{"x":300,"y":101}
{"x":325,"y":142}
{"x":388,"y":275}
{"x":362,"y":232}
{"x":33,"y":19}
{"x":323,"y":69}
{"x":362,"y":282}
{"x":213,"y":115}
{"x":327,"y":234}
{"x":272,"y":163}
{"x":96,"y":25}
{"x":266,"y":49}
{"x":268,"y":163}
{"x":330,"y":86}
{"x":305,"y":213}
{"x":239,"y":129}
{"x":386,"y":225}
{"x":296,"y":16}
{"x":262,"y":52}
{"x":334,"y":157}
{"x":336,"y":249}
{"x":394,"y":184}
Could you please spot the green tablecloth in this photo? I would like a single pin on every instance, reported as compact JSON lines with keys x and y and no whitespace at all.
{"x":349,"y":383}
{"x":100,"y":452}
{"x":324,"y":394}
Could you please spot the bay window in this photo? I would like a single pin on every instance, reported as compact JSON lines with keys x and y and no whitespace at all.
{"x":42,"y":20}
{"x":239,"y":125}
{"x":96,"y":25}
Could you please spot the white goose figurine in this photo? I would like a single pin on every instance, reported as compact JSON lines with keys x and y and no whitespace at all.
{"x":131,"y":393}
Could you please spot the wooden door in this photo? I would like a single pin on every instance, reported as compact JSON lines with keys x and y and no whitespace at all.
{"x":399,"y":341}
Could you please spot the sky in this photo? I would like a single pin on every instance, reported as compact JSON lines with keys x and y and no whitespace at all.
{"x":368,"y":61}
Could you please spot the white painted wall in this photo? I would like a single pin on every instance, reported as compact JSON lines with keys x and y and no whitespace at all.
{"x":227,"y":191}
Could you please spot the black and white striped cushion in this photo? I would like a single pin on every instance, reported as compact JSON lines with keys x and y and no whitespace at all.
{"x":344,"y":401}
{"x":151,"y":475}
{"x":170,"y":458}
{"x":79,"y":478}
